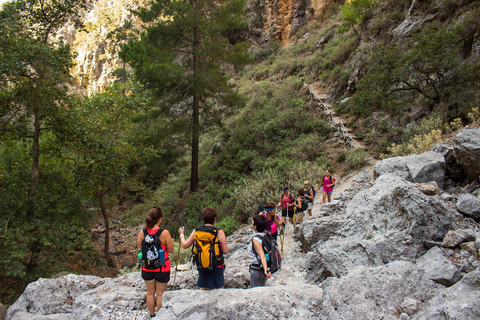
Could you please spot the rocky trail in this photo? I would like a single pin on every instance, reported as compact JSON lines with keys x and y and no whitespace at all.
{"x":392,"y":245}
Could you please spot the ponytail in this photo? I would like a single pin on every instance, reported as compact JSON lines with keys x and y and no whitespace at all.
{"x":154,"y":215}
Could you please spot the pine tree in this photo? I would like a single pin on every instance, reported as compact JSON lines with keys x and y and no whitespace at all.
{"x":183,"y":55}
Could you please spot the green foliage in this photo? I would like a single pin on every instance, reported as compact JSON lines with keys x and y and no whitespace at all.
{"x":228,"y":224}
{"x":184,"y":56}
{"x":428,"y":66}
{"x":353,"y":12}
{"x":356,"y":158}
{"x":342,"y":156}
{"x":57,"y":238}
{"x":265,"y":186}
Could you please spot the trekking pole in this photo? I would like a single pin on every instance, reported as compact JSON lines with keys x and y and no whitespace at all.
{"x":176,"y":262}
{"x":294,"y":216}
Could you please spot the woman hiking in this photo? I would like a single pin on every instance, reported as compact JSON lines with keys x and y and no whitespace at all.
{"x":300,"y":208}
{"x":155,"y":279}
{"x":259,"y":272}
{"x":286,"y":201}
{"x":309,"y":193}
{"x":327,"y":184}
{"x":273,"y":220}
{"x":208,"y":279}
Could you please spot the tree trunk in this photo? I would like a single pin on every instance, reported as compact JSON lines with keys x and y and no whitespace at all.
{"x":35,"y":175}
{"x":106,"y":248}
{"x":196,"y":109}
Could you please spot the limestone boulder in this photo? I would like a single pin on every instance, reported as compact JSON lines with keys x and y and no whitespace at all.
{"x":284,"y":302}
{"x":390,"y":221}
{"x":469,"y":204}
{"x":378,"y":292}
{"x":438,"y":268}
{"x":460,"y":301}
{"x":467,"y":151}
{"x":421,"y":168}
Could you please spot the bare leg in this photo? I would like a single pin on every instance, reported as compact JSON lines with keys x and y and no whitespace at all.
{"x":291,"y":221}
{"x":324,"y":196}
{"x":151,"y":296}
{"x":329,"y":196}
{"x":309,"y":212}
{"x":161,"y":288}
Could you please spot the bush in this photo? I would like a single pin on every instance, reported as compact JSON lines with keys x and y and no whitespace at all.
{"x":356,"y":158}
{"x":417,"y":145}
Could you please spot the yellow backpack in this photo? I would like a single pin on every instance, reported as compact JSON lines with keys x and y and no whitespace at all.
{"x":206,"y":251}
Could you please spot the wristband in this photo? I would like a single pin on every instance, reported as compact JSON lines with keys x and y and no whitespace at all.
{"x":182,"y":235}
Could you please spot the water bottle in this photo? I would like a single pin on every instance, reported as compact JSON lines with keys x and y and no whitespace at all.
{"x":161,"y":256}
{"x":267,"y":257}
{"x":140,"y":258}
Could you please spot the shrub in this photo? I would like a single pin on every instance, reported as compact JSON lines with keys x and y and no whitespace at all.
{"x":418,"y":144}
{"x":355,"y":158}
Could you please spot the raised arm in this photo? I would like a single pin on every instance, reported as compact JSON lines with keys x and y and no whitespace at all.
{"x":186,"y":243}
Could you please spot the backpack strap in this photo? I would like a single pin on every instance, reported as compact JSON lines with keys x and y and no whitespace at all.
{"x":253,"y":246}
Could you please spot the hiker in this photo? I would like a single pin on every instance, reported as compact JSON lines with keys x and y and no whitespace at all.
{"x":273,"y":220}
{"x":156,"y":279}
{"x":309,"y":193}
{"x":286,"y":201}
{"x":259,"y":271}
{"x":301,"y":205}
{"x":209,"y":276}
{"x":327,"y":184}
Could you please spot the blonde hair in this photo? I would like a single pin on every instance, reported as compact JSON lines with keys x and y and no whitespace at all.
{"x":307,"y":182}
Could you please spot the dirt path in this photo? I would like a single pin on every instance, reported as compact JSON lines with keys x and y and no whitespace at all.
{"x":322,"y":94}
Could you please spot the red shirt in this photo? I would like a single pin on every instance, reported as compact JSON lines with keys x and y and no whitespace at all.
{"x":166,"y":267}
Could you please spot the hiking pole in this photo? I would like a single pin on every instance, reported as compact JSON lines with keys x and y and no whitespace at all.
{"x":294,"y":216}
{"x":176,"y":262}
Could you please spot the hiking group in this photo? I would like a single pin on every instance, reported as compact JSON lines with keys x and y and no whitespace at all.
{"x":209,"y":243}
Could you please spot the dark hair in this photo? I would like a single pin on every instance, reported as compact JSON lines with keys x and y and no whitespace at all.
{"x":270,"y":205}
{"x":154,"y":215}
{"x":260,"y":222}
{"x":209,"y":215}
{"x":301,"y":192}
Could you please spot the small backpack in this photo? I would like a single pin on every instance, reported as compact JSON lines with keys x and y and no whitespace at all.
{"x":152,"y":253}
{"x":313,"y":191}
{"x":206,"y":251}
{"x":261,"y":209}
{"x":272,"y":255}
{"x":304,"y":205}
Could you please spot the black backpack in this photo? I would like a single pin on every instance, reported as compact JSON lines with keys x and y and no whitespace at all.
{"x":304,"y":205}
{"x":152,"y":253}
{"x":269,"y":245}
{"x":261,"y":209}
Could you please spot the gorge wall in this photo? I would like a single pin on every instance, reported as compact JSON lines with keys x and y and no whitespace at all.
{"x":279,"y":20}
{"x":97,"y":45}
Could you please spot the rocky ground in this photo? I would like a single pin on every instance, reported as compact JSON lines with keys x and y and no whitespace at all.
{"x":394,"y":244}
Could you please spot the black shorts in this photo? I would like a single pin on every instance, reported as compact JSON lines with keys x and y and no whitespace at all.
{"x":290,"y":213}
{"x":162,"y":277}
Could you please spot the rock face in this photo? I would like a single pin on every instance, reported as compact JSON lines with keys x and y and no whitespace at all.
{"x":384,"y":247}
{"x":277,"y":21}
{"x":467,"y":151}
{"x":425,"y":167}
